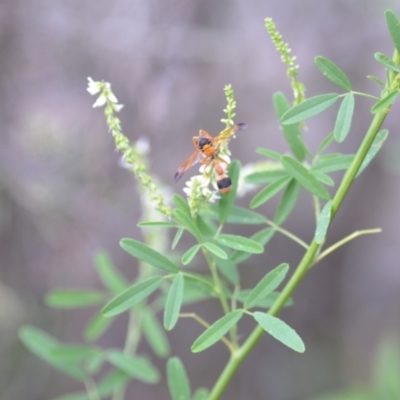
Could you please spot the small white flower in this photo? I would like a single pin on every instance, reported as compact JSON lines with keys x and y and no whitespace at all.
{"x":118,"y":107}
{"x":93,"y":86}
{"x":111,"y":96}
{"x":214,"y":196}
{"x":143,"y":145}
{"x":101,"y":100}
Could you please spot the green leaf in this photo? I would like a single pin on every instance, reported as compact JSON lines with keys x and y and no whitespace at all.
{"x":131,"y":296}
{"x":304,"y":177}
{"x":261,"y":177}
{"x":41,"y":344}
{"x":206,"y":227}
{"x":262,"y":237}
{"x":267,"y":302}
{"x":190,"y":254}
{"x":333,"y":72}
{"x":178,"y":382}
{"x":288,"y":201}
{"x":187,"y":222}
{"x":387,"y":62}
{"x":74,"y":353}
{"x":309,"y":108}
{"x":280,"y":331}
{"x":216,"y":331}
{"x":344,"y":117}
{"x":271,"y":190}
{"x":240,"y":215}
{"x":226,"y":202}
{"x":111,"y":382}
{"x":181,"y":204}
{"x":154,"y":334}
{"x":201,"y":394}
{"x":267,"y":284}
{"x":323,"y":178}
{"x":94,"y":364}
{"x":108,"y":274}
{"x":214,"y":249}
{"x":174,"y":302}
{"x":376,"y":80}
{"x":373,"y":150}
{"x":229,"y":271}
{"x":394,"y":28}
{"x":240,"y":243}
{"x":269,"y":153}
{"x":73,"y":298}
{"x":151,"y":224}
{"x":323,"y":223}
{"x":147,"y":254}
{"x":291,"y":132}
{"x":325,"y":143}
{"x":177,"y":237}
{"x":334,"y":162}
{"x":136,"y":367}
{"x":200,"y":283}
{"x":385,"y":102}
{"x":96,"y":326}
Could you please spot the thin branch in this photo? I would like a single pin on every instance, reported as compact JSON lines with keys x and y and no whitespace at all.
{"x":345,"y":240}
{"x":366,"y":95}
{"x":287,"y":233}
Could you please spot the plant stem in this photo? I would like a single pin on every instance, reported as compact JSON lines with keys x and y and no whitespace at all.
{"x":131,"y":343}
{"x":287,"y":233}
{"x":91,"y":389}
{"x":219,"y":290}
{"x":365,"y":95}
{"x":345,"y":240}
{"x":305,"y":263}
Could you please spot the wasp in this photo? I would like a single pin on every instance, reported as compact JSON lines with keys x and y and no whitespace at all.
{"x":206,"y":153}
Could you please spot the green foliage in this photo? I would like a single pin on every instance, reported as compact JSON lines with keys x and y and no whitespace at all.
{"x":164,"y":285}
{"x":309,"y":108}
{"x":174,"y":302}
{"x":178,"y":382}
{"x":136,"y":367}
{"x":131,"y":296}
{"x":216,"y":331}
{"x":280,"y":331}
{"x":344,"y":117}
{"x":333,"y":72}
{"x":269,"y":283}
{"x":323,"y":223}
{"x":292,"y":132}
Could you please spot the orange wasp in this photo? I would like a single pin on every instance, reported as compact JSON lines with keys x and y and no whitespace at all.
{"x":206,"y":153}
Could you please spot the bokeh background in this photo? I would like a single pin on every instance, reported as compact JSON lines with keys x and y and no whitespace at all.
{"x":63,"y":194}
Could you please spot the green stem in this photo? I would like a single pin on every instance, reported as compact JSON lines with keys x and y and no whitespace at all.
{"x":131,"y":342}
{"x":305,"y":263}
{"x":366,"y":95}
{"x":91,"y":389}
{"x":218,"y":289}
{"x":287,"y":233}
{"x":345,"y":240}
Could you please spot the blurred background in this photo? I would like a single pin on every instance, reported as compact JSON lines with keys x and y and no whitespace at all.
{"x":63,"y":194}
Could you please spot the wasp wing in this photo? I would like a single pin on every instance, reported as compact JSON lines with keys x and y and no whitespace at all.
{"x":226,"y":134}
{"x":192,"y":160}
